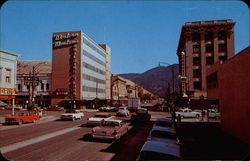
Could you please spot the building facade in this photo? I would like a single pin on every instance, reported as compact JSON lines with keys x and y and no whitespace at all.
{"x":8,"y":68}
{"x":201,"y":45}
{"x":36,"y":90}
{"x":80,"y":68}
{"x":230,"y":83}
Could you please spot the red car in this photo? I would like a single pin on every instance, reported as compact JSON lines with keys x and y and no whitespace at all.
{"x":22,"y":118}
{"x":110,"y":129}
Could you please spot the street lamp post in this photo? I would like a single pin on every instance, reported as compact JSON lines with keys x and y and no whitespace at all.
{"x":202,"y":99}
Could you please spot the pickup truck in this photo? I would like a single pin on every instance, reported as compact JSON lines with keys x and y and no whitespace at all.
{"x":21,"y":118}
{"x":72,"y":115}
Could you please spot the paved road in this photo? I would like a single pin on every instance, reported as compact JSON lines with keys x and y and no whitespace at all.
{"x":51,"y":139}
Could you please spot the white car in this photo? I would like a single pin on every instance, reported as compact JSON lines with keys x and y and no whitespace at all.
{"x":123,"y":111}
{"x":212,"y":113}
{"x":98,"y":118}
{"x":186,"y":112}
{"x":72,"y":115}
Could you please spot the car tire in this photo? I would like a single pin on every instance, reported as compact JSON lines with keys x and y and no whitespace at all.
{"x":20,"y":122}
{"x":34,"y":120}
{"x":197,"y":115}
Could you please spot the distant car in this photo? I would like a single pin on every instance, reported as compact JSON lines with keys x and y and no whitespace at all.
{"x":108,"y":109}
{"x":98,"y":118}
{"x":141,"y":115}
{"x":164,"y":122}
{"x":212,"y":113}
{"x":55,"y":108}
{"x":72,"y":115}
{"x":163,"y":134}
{"x":186,"y":112}
{"x":110,"y":129}
{"x":21,"y":118}
{"x":154,"y":150}
{"x":123,"y":111}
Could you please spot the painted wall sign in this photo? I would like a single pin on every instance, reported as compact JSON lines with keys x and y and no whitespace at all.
{"x":7,"y":91}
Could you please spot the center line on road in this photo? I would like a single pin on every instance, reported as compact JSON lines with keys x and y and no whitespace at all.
{"x":22,"y":144}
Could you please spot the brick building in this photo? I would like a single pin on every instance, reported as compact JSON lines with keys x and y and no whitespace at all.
{"x":80,"y":69}
{"x":201,"y":45}
{"x":230,"y":84}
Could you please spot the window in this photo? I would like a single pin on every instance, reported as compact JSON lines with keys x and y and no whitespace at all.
{"x":19,"y":87}
{"x":197,"y":85}
{"x":209,"y":36}
{"x":209,"y":48}
{"x":222,"y":47}
{"x":222,"y":59}
{"x":8,"y":76}
{"x":222,"y":35}
{"x":42,"y":86}
{"x":28,"y":87}
{"x":212,"y":81}
{"x":196,"y":73}
{"x":196,"y":36}
{"x":209,"y":60}
{"x":196,"y":48}
{"x":47,"y":86}
{"x":196,"y":60}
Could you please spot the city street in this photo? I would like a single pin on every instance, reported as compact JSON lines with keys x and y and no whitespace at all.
{"x":67,"y":140}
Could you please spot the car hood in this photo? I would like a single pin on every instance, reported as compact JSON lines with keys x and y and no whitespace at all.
{"x":163,"y":140}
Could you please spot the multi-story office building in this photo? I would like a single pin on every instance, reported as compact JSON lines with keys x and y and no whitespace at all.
{"x":80,"y":68}
{"x":37,"y":73}
{"x":8,"y":67}
{"x":202,"y":44}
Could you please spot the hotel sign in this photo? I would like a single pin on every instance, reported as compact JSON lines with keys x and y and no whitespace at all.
{"x":64,"y":39}
{"x":7,"y":91}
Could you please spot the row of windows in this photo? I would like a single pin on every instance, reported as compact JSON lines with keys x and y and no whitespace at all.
{"x":43,"y":86}
{"x":197,"y":60}
{"x":86,"y":53}
{"x":91,"y":89}
{"x":93,"y":47}
{"x":209,"y":48}
{"x":7,"y":75}
{"x":91,"y":67}
{"x":209,"y":36}
{"x":93,"y":79}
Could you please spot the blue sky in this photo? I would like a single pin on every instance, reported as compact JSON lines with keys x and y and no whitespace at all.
{"x":140,"y":33}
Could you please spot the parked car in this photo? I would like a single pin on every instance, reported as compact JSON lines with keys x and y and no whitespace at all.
{"x":123,"y":111}
{"x":98,"y":118}
{"x":55,"y":108}
{"x":164,"y":122}
{"x":186,"y":112}
{"x":212,"y":113}
{"x":110,"y":129}
{"x":72,"y":115}
{"x":163,"y":134}
{"x":108,"y":109}
{"x":154,"y":150}
{"x":21,"y":118}
{"x":141,"y":115}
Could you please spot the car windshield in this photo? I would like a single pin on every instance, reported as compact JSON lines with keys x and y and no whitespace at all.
{"x":163,"y":134}
{"x":165,"y":124}
{"x":110,"y":123}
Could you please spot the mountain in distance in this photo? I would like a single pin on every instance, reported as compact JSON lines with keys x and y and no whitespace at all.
{"x":157,"y":80}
